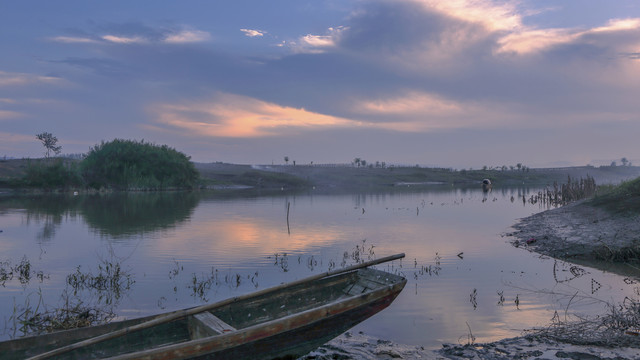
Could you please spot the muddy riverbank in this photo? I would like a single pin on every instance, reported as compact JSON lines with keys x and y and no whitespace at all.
{"x":362,"y":347}
{"x":581,"y":232}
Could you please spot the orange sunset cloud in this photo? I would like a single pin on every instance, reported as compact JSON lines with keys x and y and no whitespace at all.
{"x":239,"y":116}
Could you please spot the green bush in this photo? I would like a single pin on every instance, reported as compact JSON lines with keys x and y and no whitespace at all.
{"x":52,"y":175}
{"x":133,"y":165}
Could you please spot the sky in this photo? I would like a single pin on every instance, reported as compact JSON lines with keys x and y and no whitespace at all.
{"x":457,"y":83}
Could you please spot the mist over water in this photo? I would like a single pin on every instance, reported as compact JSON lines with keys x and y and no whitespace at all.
{"x":182,"y":249}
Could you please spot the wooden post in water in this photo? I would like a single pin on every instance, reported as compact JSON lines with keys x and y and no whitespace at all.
{"x":288,"y":229}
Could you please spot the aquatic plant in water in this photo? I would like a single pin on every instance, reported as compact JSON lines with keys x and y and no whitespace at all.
{"x":22,"y":271}
{"x":29,"y":319}
{"x":111,"y":282}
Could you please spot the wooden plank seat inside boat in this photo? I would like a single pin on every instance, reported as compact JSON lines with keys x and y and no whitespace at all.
{"x":363,"y":285}
{"x":206,"y":324}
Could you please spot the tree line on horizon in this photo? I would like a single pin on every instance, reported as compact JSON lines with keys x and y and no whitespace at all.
{"x":138,"y":165}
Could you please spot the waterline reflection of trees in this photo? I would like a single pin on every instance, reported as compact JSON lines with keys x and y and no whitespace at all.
{"x":124,"y":214}
{"x":115,"y":215}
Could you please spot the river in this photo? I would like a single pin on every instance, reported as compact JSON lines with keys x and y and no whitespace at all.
{"x":179,"y":249}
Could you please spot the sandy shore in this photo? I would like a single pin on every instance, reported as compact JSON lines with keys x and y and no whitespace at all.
{"x":575,"y":232}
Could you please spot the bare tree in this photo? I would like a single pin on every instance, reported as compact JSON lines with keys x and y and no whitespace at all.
{"x":50,"y":143}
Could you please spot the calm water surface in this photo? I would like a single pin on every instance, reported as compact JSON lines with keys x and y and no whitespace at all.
{"x":184,"y":249}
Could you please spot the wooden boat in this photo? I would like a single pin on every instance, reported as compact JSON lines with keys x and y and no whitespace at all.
{"x":286,"y":321}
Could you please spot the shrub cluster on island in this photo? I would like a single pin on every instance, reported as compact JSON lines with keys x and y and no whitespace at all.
{"x":114,"y":165}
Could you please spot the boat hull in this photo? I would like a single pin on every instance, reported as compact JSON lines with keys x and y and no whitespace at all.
{"x":291,"y":326}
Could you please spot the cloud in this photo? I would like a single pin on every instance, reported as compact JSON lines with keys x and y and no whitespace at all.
{"x":462,"y":38}
{"x":315,"y":44}
{"x":618,"y":25}
{"x":482,"y":52}
{"x":491,"y":15}
{"x":253,"y":33}
{"x":73,"y":40}
{"x":12,"y":138}
{"x":535,"y":40}
{"x":237,"y":116}
{"x":102,"y":66}
{"x":631,"y":55}
{"x":18,"y":145}
{"x":318,"y":41}
{"x":135,"y":33}
{"x":383,"y":50}
{"x":124,"y":39}
{"x":21,"y":79}
{"x":411,"y":103}
{"x":187,"y":36}
{"x":31,"y":107}
{"x":8,"y":114}
{"x":611,"y":35}
{"x":416,"y":112}
{"x":415,"y":37}
{"x":29,"y":101}
{"x":397,"y":68}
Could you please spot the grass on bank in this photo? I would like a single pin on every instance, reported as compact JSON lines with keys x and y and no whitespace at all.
{"x":221,"y":174}
{"x":620,"y":199}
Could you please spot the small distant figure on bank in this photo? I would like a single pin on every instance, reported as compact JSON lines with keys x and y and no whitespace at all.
{"x":486,"y":185}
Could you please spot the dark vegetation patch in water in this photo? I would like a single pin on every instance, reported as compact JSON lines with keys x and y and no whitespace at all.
{"x":563,"y":194}
{"x":110,"y":283}
{"x":89,"y":299}
{"x":21,"y":271}
{"x":38,"y":318}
